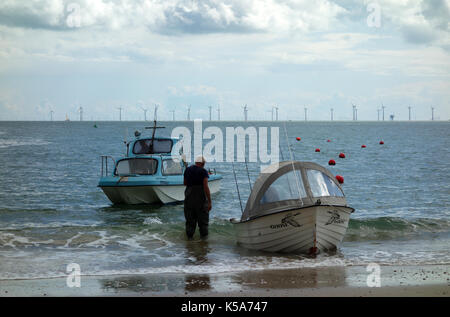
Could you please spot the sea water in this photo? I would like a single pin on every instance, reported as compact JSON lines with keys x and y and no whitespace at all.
{"x":52,"y":213}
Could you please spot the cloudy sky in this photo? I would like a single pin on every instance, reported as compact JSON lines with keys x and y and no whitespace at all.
{"x":59,"y":55}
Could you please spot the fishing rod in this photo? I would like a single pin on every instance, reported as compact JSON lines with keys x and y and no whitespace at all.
{"x":281,"y":152}
{"x":248,"y":175}
{"x":237,"y":187}
{"x":293,"y":168}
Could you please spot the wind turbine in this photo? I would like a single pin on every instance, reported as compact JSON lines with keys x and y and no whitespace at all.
{"x":432,"y":113}
{"x":276,"y":113}
{"x":80,"y":110}
{"x":218,"y":112}
{"x":173,"y":115}
{"x":382,"y":107}
{"x":409,"y":113}
{"x":145,"y":113}
{"x":155,"y":115}
{"x":51,"y":115}
{"x":189,"y":113}
{"x":331,"y":110}
{"x":120,"y":113}
{"x":354,"y":111}
{"x":210,"y":113}
{"x":245,"y":112}
{"x":306,"y":114}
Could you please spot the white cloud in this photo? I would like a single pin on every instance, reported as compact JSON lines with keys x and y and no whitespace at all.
{"x":174,"y":16}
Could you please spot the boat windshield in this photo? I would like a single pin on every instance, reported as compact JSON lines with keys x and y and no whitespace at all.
{"x":159,"y":146}
{"x":286,"y":187}
{"x":136,"y":166}
{"x":171,"y":167}
{"x":321,"y":185}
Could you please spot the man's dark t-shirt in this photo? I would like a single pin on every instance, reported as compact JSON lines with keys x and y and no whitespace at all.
{"x":194,"y":175}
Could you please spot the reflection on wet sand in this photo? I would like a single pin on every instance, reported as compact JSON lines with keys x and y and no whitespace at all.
{"x":158,"y":284}
{"x":292,"y":278}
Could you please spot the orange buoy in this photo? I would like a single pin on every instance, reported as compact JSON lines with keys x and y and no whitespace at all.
{"x":331,"y":162}
{"x":363,"y":146}
{"x":340,"y":179}
{"x":381,"y":142}
{"x":341,"y":155}
{"x":298,"y":138}
{"x":317,"y":150}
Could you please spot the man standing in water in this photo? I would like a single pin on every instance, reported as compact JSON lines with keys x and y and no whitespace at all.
{"x":197,"y":198}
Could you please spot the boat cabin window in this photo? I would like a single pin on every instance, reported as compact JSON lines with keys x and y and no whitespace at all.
{"x":321,"y":185}
{"x":159,"y":146}
{"x":136,"y":166}
{"x":171,"y":167}
{"x":286,"y":187}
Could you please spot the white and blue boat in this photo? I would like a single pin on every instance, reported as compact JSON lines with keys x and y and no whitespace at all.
{"x":149,"y":173}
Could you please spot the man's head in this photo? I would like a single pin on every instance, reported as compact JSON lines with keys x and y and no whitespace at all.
{"x":200,"y":161}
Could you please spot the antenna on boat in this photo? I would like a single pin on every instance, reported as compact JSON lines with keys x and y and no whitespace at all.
{"x":292,"y":160}
{"x":153,"y":133}
{"x":154,"y":128}
{"x":125,"y":140}
{"x":237,"y":187}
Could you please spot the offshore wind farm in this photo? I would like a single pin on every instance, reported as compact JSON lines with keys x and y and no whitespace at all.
{"x":408,"y":114}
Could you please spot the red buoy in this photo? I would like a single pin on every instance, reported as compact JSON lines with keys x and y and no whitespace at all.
{"x":341,"y":155}
{"x":381,"y":142}
{"x":363,"y":146}
{"x":317,"y":150}
{"x":340,"y":179}
{"x":331,"y":162}
{"x":298,"y":138}
{"x":328,"y":140}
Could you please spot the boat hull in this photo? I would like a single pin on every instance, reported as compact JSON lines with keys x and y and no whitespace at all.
{"x":304,"y":230}
{"x":151,"y":194}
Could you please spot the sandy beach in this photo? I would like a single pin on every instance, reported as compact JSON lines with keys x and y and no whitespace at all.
{"x":306,"y":282}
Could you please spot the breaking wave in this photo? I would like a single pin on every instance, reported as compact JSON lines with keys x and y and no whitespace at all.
{"x":384,"y":228}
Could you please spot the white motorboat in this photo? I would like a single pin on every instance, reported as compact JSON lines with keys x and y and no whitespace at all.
{"x":149,"y":173}
{"x":294,"y":207}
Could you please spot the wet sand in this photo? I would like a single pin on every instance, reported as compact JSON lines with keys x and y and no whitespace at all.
{"x":303,"y":282}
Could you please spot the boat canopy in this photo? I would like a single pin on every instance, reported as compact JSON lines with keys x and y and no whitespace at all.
{"x":291,"y":185}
